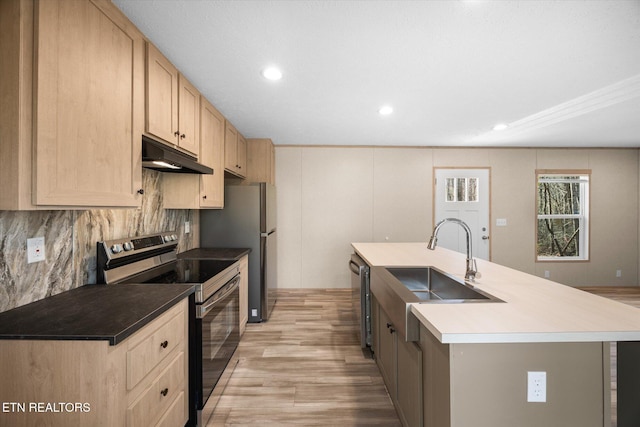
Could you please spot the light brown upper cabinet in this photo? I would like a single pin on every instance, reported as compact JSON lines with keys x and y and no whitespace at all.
{"x":73,"y":105}
{"x":235,"y":151}
{"x":261,"y":161}
{"x":212,"y":150}
{"x":189,"y":191}
{"x":173,"y":104}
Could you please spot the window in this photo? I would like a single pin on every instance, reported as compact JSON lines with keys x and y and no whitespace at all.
{"x":462,"y":190}
{"x":563,"y":215}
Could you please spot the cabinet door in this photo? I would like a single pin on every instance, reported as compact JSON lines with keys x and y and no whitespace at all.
{"x":162,"y":96}
{"x":244,"y":292}
{"x":212,"y":155}
{"x":387,"y":351}
{"x":230,"y":147}
{"x":241,"y":156}
{"x":188,"y":117}
{"x":88,"y":105}
{"x":409,"y":382}
{"x":260,"y":160}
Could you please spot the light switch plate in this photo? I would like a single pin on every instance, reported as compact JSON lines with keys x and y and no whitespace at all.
{"x":187,"y":227}
{"x":35,"y":250}
{"x":501,"y":222}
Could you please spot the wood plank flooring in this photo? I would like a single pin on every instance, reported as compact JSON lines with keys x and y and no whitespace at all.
{"x":305,"y":367}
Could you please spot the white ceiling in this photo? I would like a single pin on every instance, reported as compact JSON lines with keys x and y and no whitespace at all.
{"x":560,"y":73}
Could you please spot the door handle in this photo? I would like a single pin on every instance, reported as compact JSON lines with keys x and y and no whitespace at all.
{"x":485,"y":237}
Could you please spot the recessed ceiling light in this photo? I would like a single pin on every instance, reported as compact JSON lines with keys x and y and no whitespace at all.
{"x":272,"y":73}
{"x":500,"y":126}
{"x":385,"y":110}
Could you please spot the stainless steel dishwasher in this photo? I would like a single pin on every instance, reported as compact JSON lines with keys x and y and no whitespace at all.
{"x":361,"y":298}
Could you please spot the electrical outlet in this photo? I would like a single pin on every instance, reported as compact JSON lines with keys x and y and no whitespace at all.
{"x":254,"y":312}
{"x":35,"y":250}
{"x":547,"y":274}
{"x":618,"y":273}
{"x":536,"y":386}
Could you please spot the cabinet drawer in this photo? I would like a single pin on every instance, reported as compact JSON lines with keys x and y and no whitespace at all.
{"x":147,"y":354}
{"x":160,"y":396}
{"x":175,"y":415}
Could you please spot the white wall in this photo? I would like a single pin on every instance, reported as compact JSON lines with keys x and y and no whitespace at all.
{"x":329,"y":197}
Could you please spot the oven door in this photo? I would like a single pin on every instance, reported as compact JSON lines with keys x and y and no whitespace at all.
{"x":218,"y":333}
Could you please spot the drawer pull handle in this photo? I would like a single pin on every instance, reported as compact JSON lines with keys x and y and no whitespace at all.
{"x":164,"y":391}
{"x":164,"y":344}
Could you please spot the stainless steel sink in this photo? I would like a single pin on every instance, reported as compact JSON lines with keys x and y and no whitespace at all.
{"x":395,"y":288}
{"x":429,"y":284}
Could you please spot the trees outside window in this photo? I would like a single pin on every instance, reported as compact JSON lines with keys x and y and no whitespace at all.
{"x":563,"y":215}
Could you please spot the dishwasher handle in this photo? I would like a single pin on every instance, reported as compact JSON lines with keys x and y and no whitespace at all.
{"x":354,"y":267}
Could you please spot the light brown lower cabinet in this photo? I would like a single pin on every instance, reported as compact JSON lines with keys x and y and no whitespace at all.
{"x":400,"y":363}
{"x":244,"y":292}
{"x":142,"y":381}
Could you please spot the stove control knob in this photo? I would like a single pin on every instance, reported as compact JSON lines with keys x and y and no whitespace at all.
{"x":166,"y":238}
{"x":116,"y":249}
{"x":174,"y":237}
{"x":127,"y":246}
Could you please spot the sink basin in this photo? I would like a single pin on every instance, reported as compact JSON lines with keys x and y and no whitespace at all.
{"x":396,"y":288}
{"x":429,"y":284}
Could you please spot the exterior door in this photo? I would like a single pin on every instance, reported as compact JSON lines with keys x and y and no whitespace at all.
{"x":463,"y":194}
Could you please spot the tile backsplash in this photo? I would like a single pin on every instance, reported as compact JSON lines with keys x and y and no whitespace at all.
{"x":70,"y":242}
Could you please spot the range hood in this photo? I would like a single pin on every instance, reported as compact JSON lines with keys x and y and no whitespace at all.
{"x":161,"y":157}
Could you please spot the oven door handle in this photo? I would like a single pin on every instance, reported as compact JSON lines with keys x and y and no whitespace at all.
{"x":232,"y":286}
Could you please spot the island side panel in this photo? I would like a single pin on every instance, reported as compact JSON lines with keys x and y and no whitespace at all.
{"x":435,"y":380}
{"x":628,"y":385}
{"x":489,"y":385}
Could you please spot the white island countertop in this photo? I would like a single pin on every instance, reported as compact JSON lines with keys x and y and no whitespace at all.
{"x":534,"y":309}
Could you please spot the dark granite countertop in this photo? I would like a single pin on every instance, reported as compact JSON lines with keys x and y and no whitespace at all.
{"x":92,"y":312}
{"x":215,"y":253}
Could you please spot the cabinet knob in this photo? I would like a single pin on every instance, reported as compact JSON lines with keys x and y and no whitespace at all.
{"x":204,"y":197}
{"x":391,"y":330}
{"x":164,"y":344}
{"x":389,"y":325}
{"x":141,"y":191}
{"x":164,"y":391}
{"x":183,"y":136}
{"x":177,"y":133}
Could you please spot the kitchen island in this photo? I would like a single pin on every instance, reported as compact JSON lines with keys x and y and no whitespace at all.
{"x":475,"y":358}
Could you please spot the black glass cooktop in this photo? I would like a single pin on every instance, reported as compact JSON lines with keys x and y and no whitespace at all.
{"x":182,"y":271}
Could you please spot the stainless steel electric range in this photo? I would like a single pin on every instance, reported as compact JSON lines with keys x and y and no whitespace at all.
{"x":214,"y":331}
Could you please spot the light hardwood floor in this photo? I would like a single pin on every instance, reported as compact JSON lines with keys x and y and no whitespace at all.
{"x":305,"y":367}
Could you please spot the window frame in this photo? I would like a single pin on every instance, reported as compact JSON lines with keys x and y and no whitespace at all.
{"x":585,"y":203}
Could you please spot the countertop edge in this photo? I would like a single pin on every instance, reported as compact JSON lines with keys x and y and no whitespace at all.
{"x":126,"y":333}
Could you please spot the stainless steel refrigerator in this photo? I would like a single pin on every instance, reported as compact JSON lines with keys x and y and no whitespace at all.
{"x":248,"y":220}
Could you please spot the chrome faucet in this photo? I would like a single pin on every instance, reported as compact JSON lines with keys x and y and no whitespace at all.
{"x":472,"y":268}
